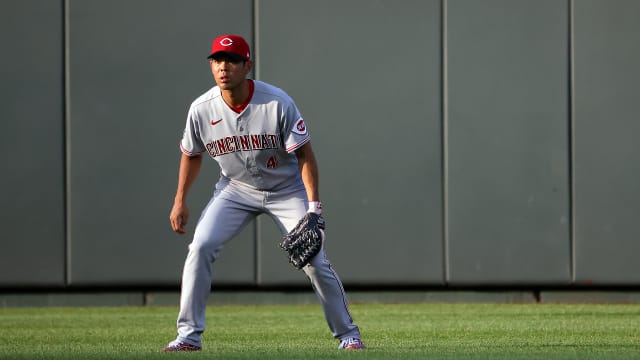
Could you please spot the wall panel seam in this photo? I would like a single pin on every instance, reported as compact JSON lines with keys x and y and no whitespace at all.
{"x":66,"y":109}
{"x":444,"y":135}
{"x":257,"y":276}
{"x":571,"y":136}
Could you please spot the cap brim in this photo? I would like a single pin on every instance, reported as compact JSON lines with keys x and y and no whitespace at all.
{"x":230,"y":55}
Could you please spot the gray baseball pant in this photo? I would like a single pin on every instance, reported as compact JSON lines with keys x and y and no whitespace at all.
{"x":232,"y":207}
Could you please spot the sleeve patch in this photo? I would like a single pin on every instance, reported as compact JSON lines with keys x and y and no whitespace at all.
{"x":300,"y":128}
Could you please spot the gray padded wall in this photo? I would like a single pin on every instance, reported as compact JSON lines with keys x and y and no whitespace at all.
{"x":606,"y":147}
{"x":507,"y":142}
{"x":32,"y":143}
{"x":135,"y":68}
{"x":528,"y":176}
{"x":366,"y":76}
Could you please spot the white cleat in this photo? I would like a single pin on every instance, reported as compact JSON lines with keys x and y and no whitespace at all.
{"x":351,"y":344}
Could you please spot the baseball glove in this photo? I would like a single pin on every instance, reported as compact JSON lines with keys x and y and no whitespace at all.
{"x":305,"y":240}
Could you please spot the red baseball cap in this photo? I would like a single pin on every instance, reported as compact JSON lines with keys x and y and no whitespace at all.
{"x":232,"y":45}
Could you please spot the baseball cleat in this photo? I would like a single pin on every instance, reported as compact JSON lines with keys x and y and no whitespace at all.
{"x":351,"y":344}
{"x":180,"y":346}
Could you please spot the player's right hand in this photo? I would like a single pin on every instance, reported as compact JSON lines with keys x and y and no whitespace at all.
{"x":178,"y":218}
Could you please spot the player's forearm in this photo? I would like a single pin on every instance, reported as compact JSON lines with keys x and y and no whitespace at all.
{"x":310,"y":180}
{"x":189,"y":170}
{"x":309,"y":171}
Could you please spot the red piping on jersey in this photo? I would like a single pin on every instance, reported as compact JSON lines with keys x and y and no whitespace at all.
{"x":187,"y":152}
{"x":298,"y":145}
{"x":239,"y":108}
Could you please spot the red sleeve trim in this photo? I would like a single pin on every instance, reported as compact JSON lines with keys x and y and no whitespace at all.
{"x":187,"y":152}
{"x":295,"y":147}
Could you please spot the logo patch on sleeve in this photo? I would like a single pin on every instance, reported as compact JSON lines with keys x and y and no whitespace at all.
{"x":300,"y":128}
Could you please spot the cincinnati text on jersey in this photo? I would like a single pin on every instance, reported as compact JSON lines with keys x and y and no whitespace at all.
{"x":231,"y":144}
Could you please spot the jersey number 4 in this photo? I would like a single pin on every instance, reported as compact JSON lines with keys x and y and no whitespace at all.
{"x":272,"y":163}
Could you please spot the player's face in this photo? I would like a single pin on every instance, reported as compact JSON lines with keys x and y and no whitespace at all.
{"x":228,"y":72}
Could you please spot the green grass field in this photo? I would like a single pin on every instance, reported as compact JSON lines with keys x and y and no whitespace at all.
{"x":391,"y":331}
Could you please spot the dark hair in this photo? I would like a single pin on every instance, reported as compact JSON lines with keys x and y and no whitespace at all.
{"x":223,"y":55}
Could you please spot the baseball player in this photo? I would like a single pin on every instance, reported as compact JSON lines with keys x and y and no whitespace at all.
{"x":267,"y":166}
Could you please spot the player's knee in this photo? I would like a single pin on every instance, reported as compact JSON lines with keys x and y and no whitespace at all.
{"x":310,"y":271}
{"x":203,"y":250}
{"x":317,"y":265}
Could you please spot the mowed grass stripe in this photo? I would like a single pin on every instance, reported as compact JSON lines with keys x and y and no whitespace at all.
{"x":391,"y":331}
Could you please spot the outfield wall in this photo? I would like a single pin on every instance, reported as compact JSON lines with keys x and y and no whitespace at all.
{"x":461,"y":142}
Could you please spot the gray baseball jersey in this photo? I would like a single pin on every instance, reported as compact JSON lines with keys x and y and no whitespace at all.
{"x":254,"y":147}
